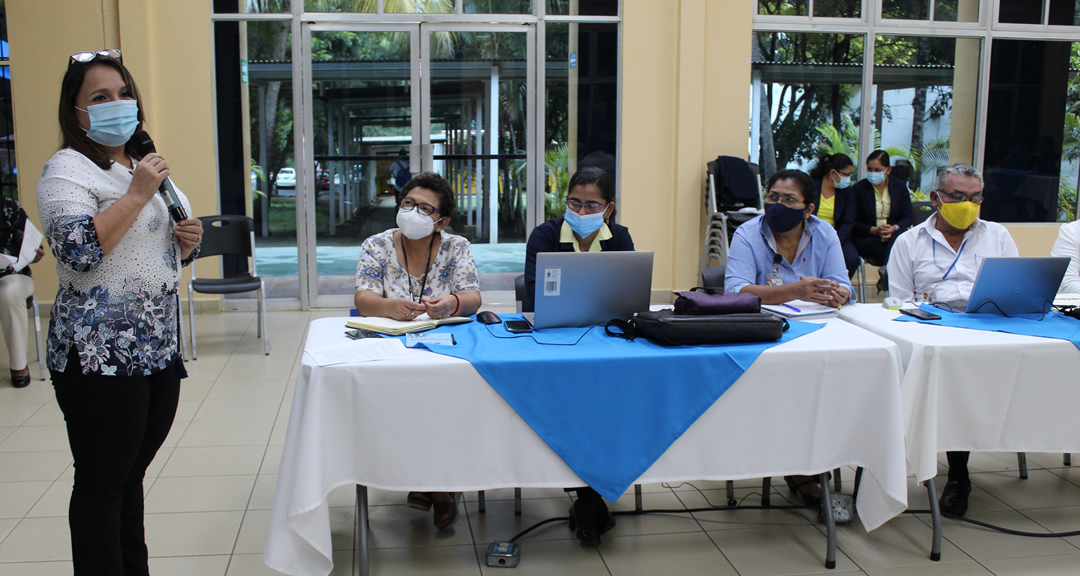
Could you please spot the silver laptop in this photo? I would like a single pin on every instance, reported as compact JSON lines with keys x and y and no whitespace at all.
{"x":577,"y":289}
{"x":1012,"y":286}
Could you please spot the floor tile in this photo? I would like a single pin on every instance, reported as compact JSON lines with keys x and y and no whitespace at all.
{"x":500,"y":523}
{"x":192,"y":533}
{"x":459,"y":560}
{"x":252,"y":565}
{"x":48,"y":414}
{"x":214,"y":461}
{"x":903,"y":541}
{"x":227,"y":433}
{"x":636,"y":524}
{"x":54,"y":502}
{"x":36,"y":439}
{"x":37,"y":569}
{"x":692,"y":553}
{"x":1042,"y":489}
{"x":983,"y":544}
{"x":17,"y":498}
{"x":262,"y":496}
{"x":27,"y":466}
{"x":778,"y":550}
{"x":238,"y":409}
{"x":549,"y":558}
{"x":199,"y":494}
{"x":253,"y":532}
{"x":401,"y":527}
{"x":1044,"y":566}
{"x":6,"y":431}
{"x":189,"y":565}
{"x":37,"y":540}
{"x":265,"y":389}
{"x":951,"y":569}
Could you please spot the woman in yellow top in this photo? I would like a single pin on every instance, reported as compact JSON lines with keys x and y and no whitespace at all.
{"x":832,"y":177}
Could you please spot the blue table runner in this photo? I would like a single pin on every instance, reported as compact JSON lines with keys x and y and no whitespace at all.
{"x":1049,"y":325}
{"x":608,"y":407}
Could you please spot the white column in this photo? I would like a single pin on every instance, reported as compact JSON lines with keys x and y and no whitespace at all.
{"x":493,"y":165}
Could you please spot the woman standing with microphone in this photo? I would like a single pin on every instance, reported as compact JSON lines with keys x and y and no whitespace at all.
{"x":112,"y":349}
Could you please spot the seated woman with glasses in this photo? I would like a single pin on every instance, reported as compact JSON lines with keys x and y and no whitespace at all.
{"x":415,"y":269}
{"x":789,"y":254}
{"x":832,"y":178}
{"x":586,"y":226}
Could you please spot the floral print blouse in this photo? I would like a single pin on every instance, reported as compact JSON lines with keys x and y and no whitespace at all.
{"x":117,"y":309}
{"x":380,"y":270}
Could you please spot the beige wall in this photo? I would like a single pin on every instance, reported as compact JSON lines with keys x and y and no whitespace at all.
{"x":685,"y":100}
{"x":167,"y":47}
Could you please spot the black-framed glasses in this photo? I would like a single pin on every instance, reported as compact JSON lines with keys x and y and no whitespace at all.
{"x":789,"y":201}
{"x":87,"y":57}
{"x":591,"y":207}
{"x":960,"y":196}
{"x":425,"y":209}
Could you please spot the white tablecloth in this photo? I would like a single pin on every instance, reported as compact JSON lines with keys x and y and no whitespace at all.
{"x":430,"y":422}
{"x":974,"y":390}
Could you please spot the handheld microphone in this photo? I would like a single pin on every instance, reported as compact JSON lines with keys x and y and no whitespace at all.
{"x":143,"y":146}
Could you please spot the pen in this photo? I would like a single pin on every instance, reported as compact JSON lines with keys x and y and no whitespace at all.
{"x":792,"y":307}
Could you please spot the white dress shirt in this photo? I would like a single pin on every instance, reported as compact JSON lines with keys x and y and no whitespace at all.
{"x":1068,"y":245}
{"x":924,"y":267}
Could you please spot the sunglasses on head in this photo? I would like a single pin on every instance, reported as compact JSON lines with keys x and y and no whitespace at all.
{"x":87,"y":57}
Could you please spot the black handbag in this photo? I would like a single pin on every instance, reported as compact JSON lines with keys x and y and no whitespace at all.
{"x":670,"y":329}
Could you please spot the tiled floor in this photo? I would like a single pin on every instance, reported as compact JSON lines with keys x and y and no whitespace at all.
{"x":209,"y":494}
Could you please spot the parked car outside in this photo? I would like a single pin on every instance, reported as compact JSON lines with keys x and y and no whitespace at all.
{"x":322,"y":179}
{"x":286,"y":178}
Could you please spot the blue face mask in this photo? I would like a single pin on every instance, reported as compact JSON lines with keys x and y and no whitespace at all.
{"x":112,"y":123}
{"x":844,"y":182}
{"x":585,"y":225}
{"x":875,"y":178}
{"x":780,"y":218}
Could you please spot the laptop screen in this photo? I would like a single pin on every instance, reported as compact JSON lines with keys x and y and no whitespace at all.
{"x":1011,"y":286}
{"x":587,"y":288}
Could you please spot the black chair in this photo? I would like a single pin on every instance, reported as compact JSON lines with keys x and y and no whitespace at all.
{"x":228,"y":235}
{"x":521,"y":295}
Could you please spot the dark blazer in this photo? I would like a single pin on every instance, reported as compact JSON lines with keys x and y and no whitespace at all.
{"x":843,"y":211}
{"x":900,"y":213}
{"x":545,"y":238}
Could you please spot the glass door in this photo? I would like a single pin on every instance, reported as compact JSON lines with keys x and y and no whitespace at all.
{"x":389,"y":100}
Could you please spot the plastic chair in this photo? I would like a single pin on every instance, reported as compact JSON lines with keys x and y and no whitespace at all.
{"x":228,"y":235}
{"x":732,"y":184}
{"x":32,"y":304}
{"x":862,"y":277}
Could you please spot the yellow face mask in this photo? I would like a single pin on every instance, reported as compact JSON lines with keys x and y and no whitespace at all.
{"x":960,"y":215}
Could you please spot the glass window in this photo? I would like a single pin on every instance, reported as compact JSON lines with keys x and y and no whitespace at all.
{"x":1020,"y":11}
{"x":415,"y":6}
{"x":956,"y":10}
{"x":838,"y":8}
{"x":906,"y":9}
{"x":259,"y":72}
{"x":255,"y":6}
{"x":583,"y":7}
{"x":1032,"y":132}
{"x":782,"y":7}
{"x":917,"y":120}
{"x":1064,"y":13}
{"x":808,"y":90}
{"x":497,"y":6}
{"x":581,"y":91}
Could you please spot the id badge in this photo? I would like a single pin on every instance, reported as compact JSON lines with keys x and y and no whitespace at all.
{"x":774,"y":278}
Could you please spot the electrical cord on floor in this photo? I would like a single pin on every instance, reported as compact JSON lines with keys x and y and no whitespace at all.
{"x":1002,"y":529}
{"x":661,"y":511}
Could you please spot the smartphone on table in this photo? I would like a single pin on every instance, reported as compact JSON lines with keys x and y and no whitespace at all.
{"x":517,"y":326}
{"x":920,"y":314}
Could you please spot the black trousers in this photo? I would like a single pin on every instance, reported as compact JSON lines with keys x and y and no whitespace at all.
{"x":115,"y":425}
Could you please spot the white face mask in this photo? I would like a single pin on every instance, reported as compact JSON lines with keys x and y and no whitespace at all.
{"x":415,"y":225}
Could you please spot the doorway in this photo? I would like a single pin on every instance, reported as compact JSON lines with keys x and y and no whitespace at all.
{"x":389,"y":100}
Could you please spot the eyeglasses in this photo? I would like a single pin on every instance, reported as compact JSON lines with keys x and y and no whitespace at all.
{"x":425,"y":209}
{"x":87,"y":57}
{"x":960,"y":196}
{"x":591,"y":207}
{"x":789,"y":201}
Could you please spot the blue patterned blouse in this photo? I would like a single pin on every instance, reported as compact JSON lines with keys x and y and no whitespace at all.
{"x":117,"y":309}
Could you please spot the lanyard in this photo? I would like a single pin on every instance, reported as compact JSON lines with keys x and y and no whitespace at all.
{"x":955,"y":260}
{"x":423,"y":279}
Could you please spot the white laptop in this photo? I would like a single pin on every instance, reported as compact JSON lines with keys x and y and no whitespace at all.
{"x":577,"y":289}
{"x":1012,"y":286}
